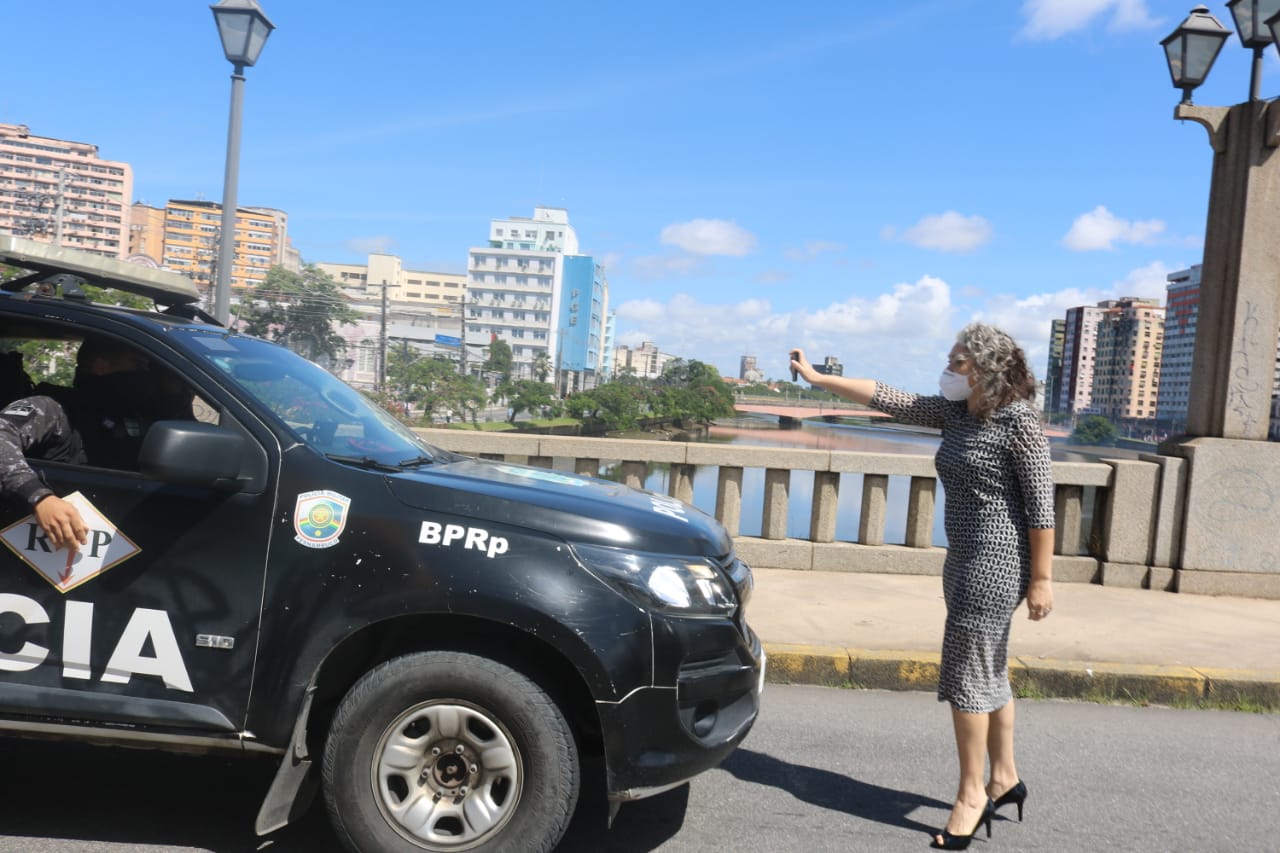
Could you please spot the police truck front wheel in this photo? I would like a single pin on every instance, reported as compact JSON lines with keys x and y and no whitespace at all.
{"x":442,"y":751}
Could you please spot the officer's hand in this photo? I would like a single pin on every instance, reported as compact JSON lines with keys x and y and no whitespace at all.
{"x":61,"y":522}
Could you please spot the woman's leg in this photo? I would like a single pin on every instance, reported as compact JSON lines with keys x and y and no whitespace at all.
{"x":971,"y":746}
{"x":1004,"y":773}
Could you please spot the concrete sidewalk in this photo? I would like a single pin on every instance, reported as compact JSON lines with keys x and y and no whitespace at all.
{"x":1102,"y":643}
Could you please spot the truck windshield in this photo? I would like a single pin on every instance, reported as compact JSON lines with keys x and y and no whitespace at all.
{"x":319,"y":409}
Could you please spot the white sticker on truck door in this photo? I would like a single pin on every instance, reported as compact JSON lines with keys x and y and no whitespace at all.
{"x":66,"y":570}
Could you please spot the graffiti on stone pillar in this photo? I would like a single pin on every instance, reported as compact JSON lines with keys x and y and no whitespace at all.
{"x":1245,"y":501}
{"x":1243,"y":386}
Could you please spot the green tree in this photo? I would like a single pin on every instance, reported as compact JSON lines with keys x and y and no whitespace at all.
{"x":499,"y":360}
{"x":692,"y":392}
{"x":525,"y":395}
{"x":434,"y":384}
{"x":618,"y":405}
{"x":299,"y":310}
{"x":1095,"y":430}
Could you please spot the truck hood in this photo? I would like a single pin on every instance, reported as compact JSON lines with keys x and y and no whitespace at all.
{"x":568,"y":506}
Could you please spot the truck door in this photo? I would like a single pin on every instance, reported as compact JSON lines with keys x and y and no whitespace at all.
{"x":155,"y":622}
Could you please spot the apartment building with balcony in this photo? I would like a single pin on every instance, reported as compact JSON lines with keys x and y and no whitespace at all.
{"x":531,"y":288}
{"x":183,"y":236}
{"x":1079,"y":345}
{"x":1126,"y":374}
{"x":62,"y":192}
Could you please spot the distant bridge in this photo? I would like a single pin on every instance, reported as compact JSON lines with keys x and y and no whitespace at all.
{"x":790,"y":412}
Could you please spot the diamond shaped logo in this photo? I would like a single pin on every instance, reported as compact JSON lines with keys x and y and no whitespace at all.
{"x":66,"y":570}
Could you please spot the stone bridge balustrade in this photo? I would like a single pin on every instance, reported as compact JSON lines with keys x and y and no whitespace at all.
{"x":1135,"y":505}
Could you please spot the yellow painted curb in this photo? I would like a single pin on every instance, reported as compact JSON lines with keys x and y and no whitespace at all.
{"x":894,"y":670}
{"x":1242,"y":687}
{"x":833,"y":666}
{"x":1096,"y":681}
{"x":796,"y":664}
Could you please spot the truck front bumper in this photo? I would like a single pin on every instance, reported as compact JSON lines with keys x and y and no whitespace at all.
{"x":708,"y":677}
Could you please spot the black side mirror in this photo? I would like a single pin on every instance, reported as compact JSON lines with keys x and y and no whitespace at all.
{"x":191,"y":453}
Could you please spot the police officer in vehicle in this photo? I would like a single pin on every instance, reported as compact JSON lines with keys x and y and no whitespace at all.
{"x":100,"y":420}
{"x":38,"y":427}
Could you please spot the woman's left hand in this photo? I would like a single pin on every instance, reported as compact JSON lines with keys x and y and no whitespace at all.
{"x":1039,"y":599}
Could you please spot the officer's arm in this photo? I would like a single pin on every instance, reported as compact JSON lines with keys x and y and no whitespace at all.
{"x":24,"y":424}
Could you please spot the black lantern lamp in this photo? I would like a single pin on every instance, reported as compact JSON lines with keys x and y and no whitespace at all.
{"x":1191,"y":49}
{"x":1251,"y":18}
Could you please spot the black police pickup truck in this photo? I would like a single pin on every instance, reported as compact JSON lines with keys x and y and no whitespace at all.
{"x":285,"y":570}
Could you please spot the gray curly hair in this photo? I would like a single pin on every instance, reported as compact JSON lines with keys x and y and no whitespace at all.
{"x":1001,"y":365}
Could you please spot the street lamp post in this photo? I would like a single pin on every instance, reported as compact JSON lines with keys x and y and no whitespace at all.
{"x":1230,"y":505}
{"x":243,"y":28}
{"x":1234,"y":355}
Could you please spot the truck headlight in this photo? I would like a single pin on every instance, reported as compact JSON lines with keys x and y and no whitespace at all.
{"x":685,"y":585}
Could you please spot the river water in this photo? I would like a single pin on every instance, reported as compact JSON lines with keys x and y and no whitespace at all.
{"x":764,"y":432}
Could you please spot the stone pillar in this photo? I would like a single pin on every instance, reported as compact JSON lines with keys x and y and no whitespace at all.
{"x":1239,"y":313}
{"x":1232,"y":504}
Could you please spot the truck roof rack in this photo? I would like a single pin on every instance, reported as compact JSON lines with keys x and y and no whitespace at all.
{"x":46,"y":260}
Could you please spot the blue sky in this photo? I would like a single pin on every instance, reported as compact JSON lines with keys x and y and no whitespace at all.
{"x":858,"y":179}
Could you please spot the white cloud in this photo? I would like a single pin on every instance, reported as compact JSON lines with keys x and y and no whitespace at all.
{"x":1100,"y":229}
{"x":710,"y":237}
{"x":1149,"y":282}
{"x":900,"y":336}
{"x":1052,"y":19}
{"x":945,"y":232}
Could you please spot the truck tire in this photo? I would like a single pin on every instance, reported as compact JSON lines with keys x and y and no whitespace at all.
{"x":444,"y":751}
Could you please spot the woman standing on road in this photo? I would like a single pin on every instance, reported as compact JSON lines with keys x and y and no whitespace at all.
{"x":994,"y":464}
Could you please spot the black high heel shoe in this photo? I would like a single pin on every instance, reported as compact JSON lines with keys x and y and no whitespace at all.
{"x":961,"y":842}
{"x":1016,"y":794}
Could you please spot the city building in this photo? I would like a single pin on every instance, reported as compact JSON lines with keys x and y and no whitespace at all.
{"x":531,"y":288}
{"x":830,"y":366}
{"x":747,"y":370}
{"x":441,"y":293}
{"x":584,"y":304}
{"x":62,"y":192}
{"x":645,"y":361}
{"x":183,"y":236}
{"x":1079,"y":341}
{"x":410,"y":310}
{"x":1053,"y":370}
{"x":1182,"y":305}
{"x":1126,"y":373}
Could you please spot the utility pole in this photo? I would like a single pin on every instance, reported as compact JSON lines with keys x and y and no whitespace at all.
{"x":61,"y":207}
{"x":462,"y":350}
{"x":382,"y":345}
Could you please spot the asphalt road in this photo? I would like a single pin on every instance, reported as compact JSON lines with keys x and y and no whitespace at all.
{"x":824,"y":769}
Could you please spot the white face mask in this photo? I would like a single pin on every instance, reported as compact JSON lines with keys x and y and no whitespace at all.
{"x":954,"y":386}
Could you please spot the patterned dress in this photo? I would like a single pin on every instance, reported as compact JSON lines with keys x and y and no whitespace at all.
{"x":999,"y":482}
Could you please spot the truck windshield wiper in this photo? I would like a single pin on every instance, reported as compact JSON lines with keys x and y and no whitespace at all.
{"x":362,"y":462}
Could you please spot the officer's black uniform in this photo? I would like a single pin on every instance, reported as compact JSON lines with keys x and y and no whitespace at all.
{"x":34,"y":426}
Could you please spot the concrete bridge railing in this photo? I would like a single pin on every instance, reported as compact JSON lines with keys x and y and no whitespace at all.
{"x":1118,"y":521}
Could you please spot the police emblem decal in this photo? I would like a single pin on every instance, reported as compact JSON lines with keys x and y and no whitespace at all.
{"x":319,"y":518}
